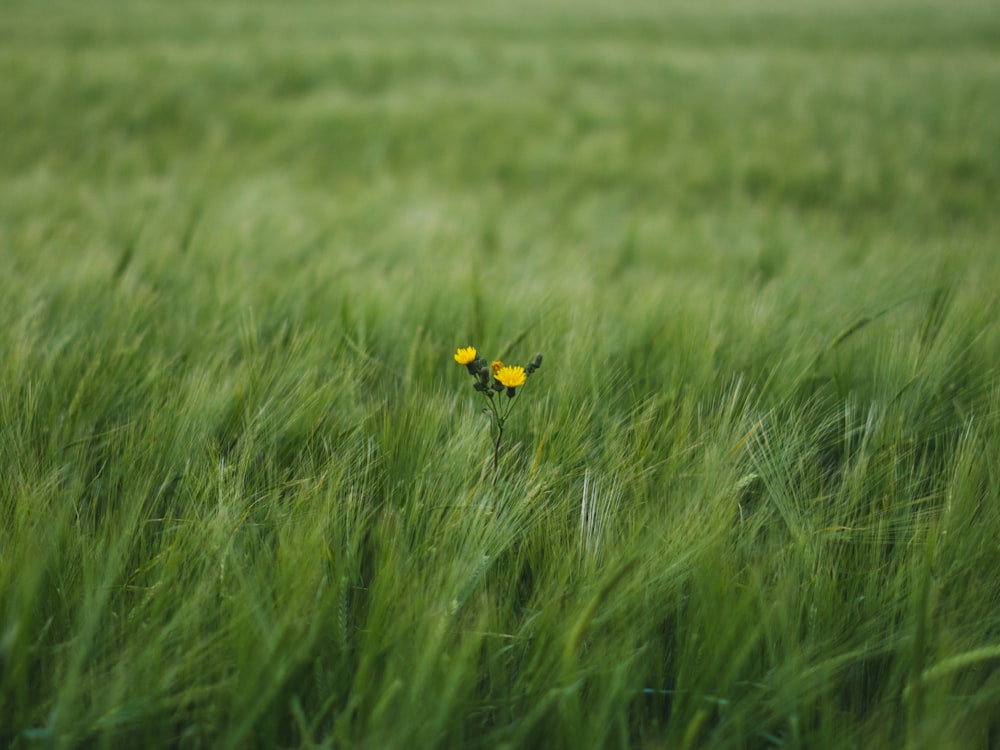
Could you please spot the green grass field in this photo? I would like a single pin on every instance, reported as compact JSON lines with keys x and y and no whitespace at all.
{"x":750,"y":500}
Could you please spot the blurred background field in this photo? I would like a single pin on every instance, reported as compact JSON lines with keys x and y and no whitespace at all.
{"x":752,"y":498}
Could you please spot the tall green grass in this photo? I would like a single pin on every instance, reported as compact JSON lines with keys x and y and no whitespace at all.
{"x":750,"y":500}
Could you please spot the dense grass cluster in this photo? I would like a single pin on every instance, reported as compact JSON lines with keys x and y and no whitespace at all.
{"x":247,"y":497}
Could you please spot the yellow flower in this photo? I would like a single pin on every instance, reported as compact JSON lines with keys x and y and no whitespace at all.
{"x":466,"y":356}
{"x":496,"y":366}
{"x":512,"y":377}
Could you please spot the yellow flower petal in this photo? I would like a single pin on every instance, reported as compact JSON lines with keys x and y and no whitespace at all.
{"x":512,"y":377}
{"x":466,"y":356}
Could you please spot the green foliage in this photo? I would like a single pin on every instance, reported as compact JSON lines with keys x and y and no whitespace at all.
{"x":753,"y":502}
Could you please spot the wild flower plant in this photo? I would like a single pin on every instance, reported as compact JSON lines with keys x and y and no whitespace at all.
{"x":492,"y":379}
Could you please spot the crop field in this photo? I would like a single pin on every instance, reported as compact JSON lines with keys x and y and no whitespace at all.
{"x":250,"y":496}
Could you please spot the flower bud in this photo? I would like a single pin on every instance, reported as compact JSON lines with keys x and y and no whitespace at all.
{"x":534,"y":364}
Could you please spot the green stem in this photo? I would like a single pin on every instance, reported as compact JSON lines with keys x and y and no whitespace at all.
{"x":496,"y":447}
{"x":498,"y":419}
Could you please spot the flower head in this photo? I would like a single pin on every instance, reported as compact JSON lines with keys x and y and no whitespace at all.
{"x":512,"y":377}
{"x":466,"y":356}
{"x":496,"y":366}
